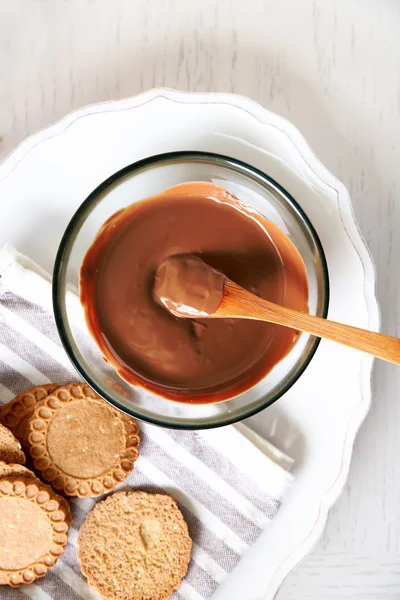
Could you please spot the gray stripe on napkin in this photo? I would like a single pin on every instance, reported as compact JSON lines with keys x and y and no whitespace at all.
{"x":224,"y":556}
{"x":70,"y":558}
{"x":32,"y":314}
{"x":12,"y":379}
{"x":78,"y":515}
{"x":201,"y":491}
{"x":34,"y":355}
{"x":201,"y":580}
{"x":54,"y":586}
{"x":226,"y":470}
{"x":13,"y":594}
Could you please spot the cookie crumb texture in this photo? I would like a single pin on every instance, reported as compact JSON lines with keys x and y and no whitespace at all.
{"x":134,"y":546}
{"x":10,"y":448}
{"x":11,"y":470}
{"x":80,"y":444}
{"x":34,"y":524}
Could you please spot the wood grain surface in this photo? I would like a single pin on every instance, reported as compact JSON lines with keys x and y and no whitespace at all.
{"x":333,"y":68}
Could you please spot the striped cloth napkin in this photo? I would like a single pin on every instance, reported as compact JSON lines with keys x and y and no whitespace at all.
{"x":229,"y":482}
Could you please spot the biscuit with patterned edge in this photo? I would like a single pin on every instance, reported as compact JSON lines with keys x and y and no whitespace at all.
{"x":81,"y":444}
{"x":10,"y":448}
{"x":11,"y":470}
{"x":134,"y":546}
{"x":16,"y":413}
{"x":34,"y":524}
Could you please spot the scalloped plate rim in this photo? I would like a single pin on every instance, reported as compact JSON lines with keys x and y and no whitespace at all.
{"x":265,"y":118}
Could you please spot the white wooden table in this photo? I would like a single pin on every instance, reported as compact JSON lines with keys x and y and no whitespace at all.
{"x":333,"y":68}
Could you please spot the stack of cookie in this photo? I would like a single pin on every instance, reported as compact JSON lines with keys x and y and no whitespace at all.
{"x":83,"y":447}
{"x":27,"y":505}
{"x":77,"y":442}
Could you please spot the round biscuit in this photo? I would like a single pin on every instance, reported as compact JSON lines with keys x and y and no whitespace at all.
{"x":34,"y":524}
{"x":81,"y":444}
{"x":134,"y":546}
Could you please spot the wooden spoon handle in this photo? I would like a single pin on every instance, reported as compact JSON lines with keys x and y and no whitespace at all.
{"x":240,"y":303}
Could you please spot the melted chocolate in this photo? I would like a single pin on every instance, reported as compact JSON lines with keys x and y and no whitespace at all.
{"x":190,"y":360}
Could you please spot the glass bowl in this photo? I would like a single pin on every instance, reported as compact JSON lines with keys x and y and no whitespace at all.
{"x":146,"y":178}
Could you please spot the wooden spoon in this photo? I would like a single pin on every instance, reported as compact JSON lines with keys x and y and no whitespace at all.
{"x":239,"y":303}
{"x":188,"y":287}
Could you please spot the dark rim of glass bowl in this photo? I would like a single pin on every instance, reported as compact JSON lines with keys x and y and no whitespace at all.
{"x":71,"y":232}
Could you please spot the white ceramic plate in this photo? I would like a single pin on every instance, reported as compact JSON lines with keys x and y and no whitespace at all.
{"x":46,"y":178}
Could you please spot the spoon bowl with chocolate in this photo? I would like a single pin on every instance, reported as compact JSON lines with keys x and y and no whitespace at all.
{"x":123,"y":245}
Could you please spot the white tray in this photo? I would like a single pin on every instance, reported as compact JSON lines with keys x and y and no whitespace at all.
{"x":46,"y":178}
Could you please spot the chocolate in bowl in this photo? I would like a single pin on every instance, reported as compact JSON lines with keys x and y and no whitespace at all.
{"x":189,"y":360}
{"x":146,"y":178}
